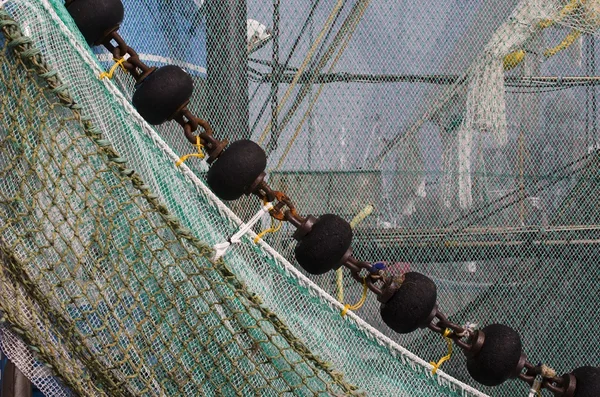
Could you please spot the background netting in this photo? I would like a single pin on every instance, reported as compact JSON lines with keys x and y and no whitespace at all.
{"x":112,"y":289}
{"x":471,"y":128}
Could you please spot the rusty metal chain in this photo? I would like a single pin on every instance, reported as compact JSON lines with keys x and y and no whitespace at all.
{"x":472,"y":341}
{"x":379,"y":281}
{"x":119,"y":49}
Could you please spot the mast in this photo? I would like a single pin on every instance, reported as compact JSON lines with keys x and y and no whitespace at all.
{"x":591,"y":122}
{"x":528,"y":145}
{"x":227,"y":67}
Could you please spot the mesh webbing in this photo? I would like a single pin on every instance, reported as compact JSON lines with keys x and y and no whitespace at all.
{"x":120,"y":297}
{"x":140,"y":311}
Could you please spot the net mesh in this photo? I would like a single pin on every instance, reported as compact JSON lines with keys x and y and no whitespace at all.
{"x":466,"y":132}
{"x":112,"y":289}
{"x":149,"y":313}
{"x":580,"y":15}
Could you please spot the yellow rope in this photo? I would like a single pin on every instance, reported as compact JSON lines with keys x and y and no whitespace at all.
{"x":272,"y":229}
{"x":442,"y":360}
{"x":322,"y":85}
{"x":339,"y":273}
{"x":200,"y":154}
{"x":569,"y":8}
{"x":360,"y":302}
{"x":515,"y":58}
{"x":362,"y":215}
{"x":339,"y":284}
{"x":111,"y":72}
{"x":571,"y":37}
{"x":566,"y":43}
{"x":307,"y":59}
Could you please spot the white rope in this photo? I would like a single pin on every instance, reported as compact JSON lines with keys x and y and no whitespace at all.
{"x":287,"y":267}
{"x":221,"y":248}
{"x":535,"y":388}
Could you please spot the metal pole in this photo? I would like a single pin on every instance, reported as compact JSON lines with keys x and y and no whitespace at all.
{"x":227,"y":67}
{"x":14,"y":383}
{"x":275,"y":70}
{"x":592,"y":72}
{"x":311,"y":121}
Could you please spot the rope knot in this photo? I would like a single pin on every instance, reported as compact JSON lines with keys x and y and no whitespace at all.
{"x":111,"y":72}
{"x":547,"y":372}
{"x":200,"y":154}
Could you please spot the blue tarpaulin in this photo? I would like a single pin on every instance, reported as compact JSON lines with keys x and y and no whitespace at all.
{"x":159,"y":30}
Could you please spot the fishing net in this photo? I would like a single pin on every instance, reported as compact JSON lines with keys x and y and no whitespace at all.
{"x":107,"y":287}
{"x":581,"y":15}
{"x":461,"y":139}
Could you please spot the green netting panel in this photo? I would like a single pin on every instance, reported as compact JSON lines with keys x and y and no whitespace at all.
{"x":120,"y":296}
{"x":131,"y":294}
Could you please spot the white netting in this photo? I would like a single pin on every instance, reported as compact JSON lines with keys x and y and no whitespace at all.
{"x":581,"y":15}
{"x":37,"y":372}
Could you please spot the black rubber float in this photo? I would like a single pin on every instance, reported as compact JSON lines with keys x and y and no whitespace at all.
{"x":236,"y":169}
{"x":498,"y":358}
{"x":324,"y":247}
{"x":411,"y":305}
{"x":96,"y":19}
{"x":588,"y":381}
{"x":164,"y":92}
